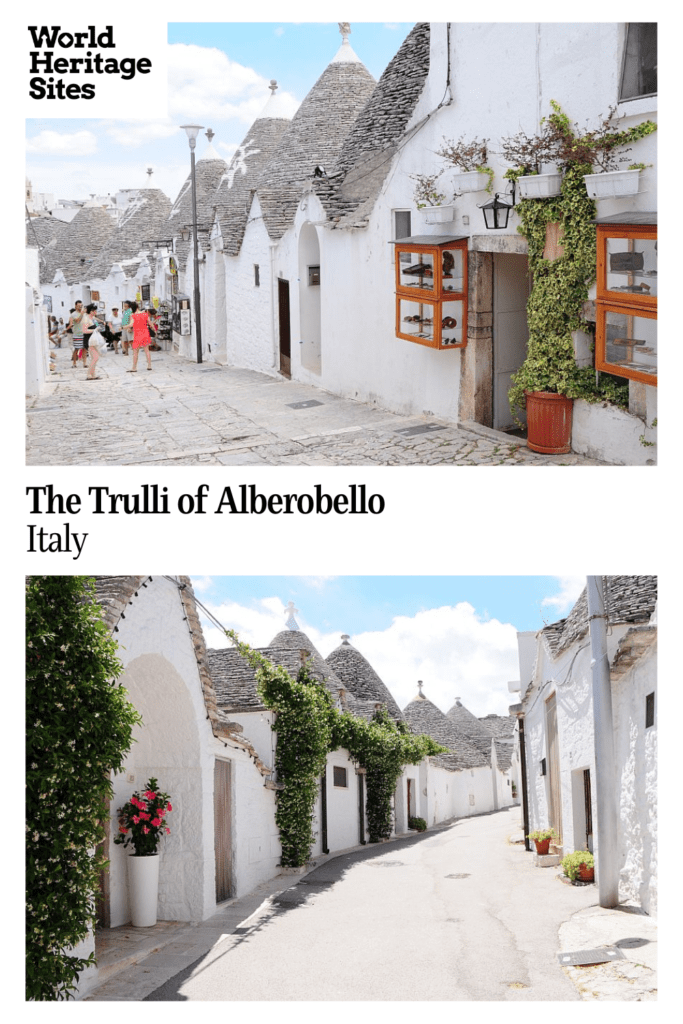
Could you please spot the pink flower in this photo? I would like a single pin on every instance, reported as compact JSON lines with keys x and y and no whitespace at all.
{"x":136,"y":819}
{"x":145,"y":830}
{"x":145,"y":817}
{"x":168,"y":807}
{"x":168,"y":831}
{"x":150,"y":794}
{"x":124,"y":831}
{"x":156,"y":822}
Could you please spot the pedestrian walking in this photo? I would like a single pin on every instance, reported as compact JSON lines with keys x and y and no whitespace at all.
{"x":75,"y":328}
{"x":92,"y":339}
{"x":126,"y":327}
{"x":142,"y":334}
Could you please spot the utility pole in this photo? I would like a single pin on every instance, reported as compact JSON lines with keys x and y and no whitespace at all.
{"x":603,"y":731}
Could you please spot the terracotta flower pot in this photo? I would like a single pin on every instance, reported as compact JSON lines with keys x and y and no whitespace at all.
{"x":542,"y":846}
{"x":549,"y":422}
{"x":586,"y":874}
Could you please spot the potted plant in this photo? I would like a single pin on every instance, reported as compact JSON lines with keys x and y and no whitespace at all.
{"x":432,"y":202}
{"x":419,"y":824}
{"x":474,"y":174}
{"x":542,"y":838}
{"x":514,"y":791}
{"x":579,"y":864}
{"x":142,"y":826}
{"x":529,"y":154}
{"x":604,"y":149}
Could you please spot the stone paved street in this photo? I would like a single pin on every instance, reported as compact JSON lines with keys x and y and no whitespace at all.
{"x":183,"y":414}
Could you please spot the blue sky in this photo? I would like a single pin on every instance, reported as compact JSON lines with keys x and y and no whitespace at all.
{"x":455,"y":633}
{"x":219,"y":75}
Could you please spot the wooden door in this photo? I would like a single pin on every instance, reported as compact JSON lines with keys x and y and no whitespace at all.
{"x":554,"y":791}
{"x":588,"y":808}
{"x":411,"y":798}
{"x":222,"y":809}
{"x":285,"y":331}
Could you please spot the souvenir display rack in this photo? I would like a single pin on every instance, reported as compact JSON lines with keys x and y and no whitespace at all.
{"x":626,"y":301}
{"x":431,"y":290}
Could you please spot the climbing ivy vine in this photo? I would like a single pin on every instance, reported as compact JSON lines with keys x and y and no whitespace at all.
{"x":308,"y":727}
{"x":79,"y":727}
{"x":560,"y":286}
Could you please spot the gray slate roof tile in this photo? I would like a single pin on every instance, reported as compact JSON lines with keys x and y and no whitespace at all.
{"x":369,"y":148}
{"x":627,"y":599}
{"x":424,"y":717}
{"x":140,"y":224}
{"x":361,"y":679}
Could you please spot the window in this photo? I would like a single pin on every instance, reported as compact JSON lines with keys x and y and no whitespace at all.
{"x":402,"y":227}
{"x":339,"y":775}
{"x":257,"y":276}
{"x":639,"y":69}
{"x":649,"y":710}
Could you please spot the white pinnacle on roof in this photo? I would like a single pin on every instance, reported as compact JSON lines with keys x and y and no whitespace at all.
{"x":209,"y":153}
{"x":290,"y":612}
{"x":345,"y":53}
{"x":276,"y":107}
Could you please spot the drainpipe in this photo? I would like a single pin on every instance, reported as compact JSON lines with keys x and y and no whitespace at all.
{"x":606,"y":798}
{"x":525,"y":797}
{"x":323,"y":810}
{"x":360,"y":773}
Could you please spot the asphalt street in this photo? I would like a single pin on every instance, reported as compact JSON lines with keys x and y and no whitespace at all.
{"x":459,"y":913}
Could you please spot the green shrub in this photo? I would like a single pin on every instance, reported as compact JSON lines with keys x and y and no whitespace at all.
{"x":572,"y":862}
{"x":78,"y":729}
{"x":419,"y":824}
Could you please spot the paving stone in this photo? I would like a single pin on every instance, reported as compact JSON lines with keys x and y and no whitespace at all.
{"x":185,"y":414}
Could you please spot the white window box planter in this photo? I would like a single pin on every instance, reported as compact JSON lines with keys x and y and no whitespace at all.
{"x":540,"y":186}
{"x":470,"y":181}
{"x":438,"y":214}
{"x":612,"y":184}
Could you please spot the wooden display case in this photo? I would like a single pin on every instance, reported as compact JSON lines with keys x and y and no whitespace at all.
{"x":626,"y":300}
{"x":431,"y":290}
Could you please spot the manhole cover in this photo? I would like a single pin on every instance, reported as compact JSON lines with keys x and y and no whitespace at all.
{"x":387,"y":864}
{"x":584,"y":957}
{"x":457,"y":876}
{"x":303,"y":405}
{"x":424,"y":428}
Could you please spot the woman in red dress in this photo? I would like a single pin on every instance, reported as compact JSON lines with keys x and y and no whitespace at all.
{"x":141,"y":322}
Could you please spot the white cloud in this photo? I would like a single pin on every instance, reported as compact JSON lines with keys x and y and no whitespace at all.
{"x":204,"y":83}
{"x":569,"y":592}
{"x":51,"y":143}
{"x":130,"y":134}
{"x":201,"y":584}
{"x":452,"y":649}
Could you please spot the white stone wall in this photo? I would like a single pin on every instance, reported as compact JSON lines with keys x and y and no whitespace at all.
{"x":342,"y":804}
{"x":37,"y":355}
{"x":603,"y":431}
{"x":636,"y":762}
{"x":569,"y":677}
{"x":251,"y":312}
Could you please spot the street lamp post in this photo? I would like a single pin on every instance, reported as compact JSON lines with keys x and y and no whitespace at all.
{"x":192,"y":133}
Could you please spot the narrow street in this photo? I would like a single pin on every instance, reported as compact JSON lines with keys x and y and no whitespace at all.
{"x":458,"y":913}
{"x":186,"y":414}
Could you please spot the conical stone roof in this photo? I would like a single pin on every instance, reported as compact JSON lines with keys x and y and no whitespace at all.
{"x":233,"y":195}
{"x":76,"y":248}
{"x":368,"y":150}
{"x":470,"y":728}
{"x":360,"y":678}
{"x":314,"y":137}
{"x":208,"y":174}
{"x":139,"y":226}
{"x":424,"y":717}
{"x":235,"y":680}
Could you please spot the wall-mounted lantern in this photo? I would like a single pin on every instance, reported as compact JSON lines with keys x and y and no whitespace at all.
{"x":496,"y":213}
